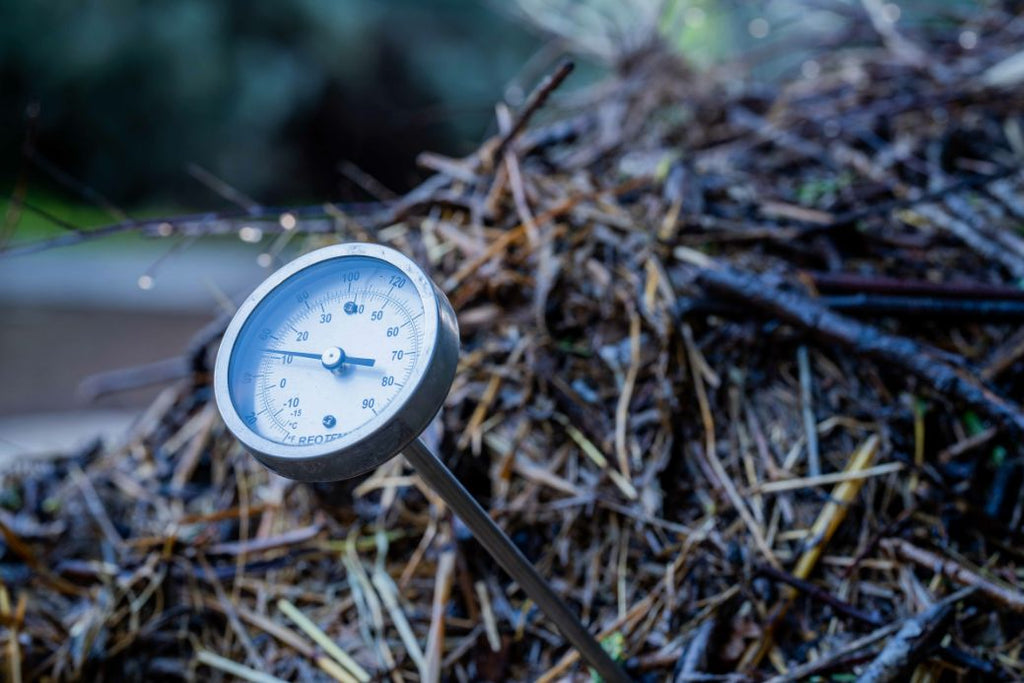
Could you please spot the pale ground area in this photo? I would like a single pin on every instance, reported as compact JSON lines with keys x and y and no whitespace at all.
{"x":24,"y":438}
{"x":68,"y":313}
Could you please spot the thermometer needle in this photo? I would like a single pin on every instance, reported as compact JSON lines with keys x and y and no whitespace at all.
{"x":339,"y":355}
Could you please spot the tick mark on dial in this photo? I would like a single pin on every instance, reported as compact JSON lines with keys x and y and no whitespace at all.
{"x":412,"y":318}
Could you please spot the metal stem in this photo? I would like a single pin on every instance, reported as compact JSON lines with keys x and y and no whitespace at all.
{"x":440,"y":478}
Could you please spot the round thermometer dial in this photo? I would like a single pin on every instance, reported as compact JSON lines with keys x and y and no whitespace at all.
{"x":336,"y":362}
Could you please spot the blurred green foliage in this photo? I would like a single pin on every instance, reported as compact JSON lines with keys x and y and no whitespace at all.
{"x":698,"y":29}
{"x":268,"y":96}
{"x":271,"y":96}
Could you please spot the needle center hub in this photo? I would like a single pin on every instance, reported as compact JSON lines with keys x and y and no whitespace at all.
{"x":332,"y":358}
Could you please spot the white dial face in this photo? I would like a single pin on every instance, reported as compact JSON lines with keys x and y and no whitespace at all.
{"x":328,"y":352}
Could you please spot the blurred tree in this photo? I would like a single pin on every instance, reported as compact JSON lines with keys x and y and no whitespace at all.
{"x":269,"y":96}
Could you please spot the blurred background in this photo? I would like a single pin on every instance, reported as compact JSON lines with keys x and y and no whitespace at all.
{"x":130,"y":107}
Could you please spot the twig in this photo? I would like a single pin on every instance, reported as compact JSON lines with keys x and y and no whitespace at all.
{"x":442,"y":588}
{"x":626,"y":395}
{"x":515,"y":181}
{"x":598,"y":458}
{"x":366,"y":182}
{"x":487,"y":613}
{"x":472,"y":430}
{"x":1004,"y":191}
{"x":52,"y":218}
{"x":258,"y":545}
{"x":975,"y":240}
{"x":853,"y":283}
{"x":912,"y":642}
{"x":368,"y":605}
{"x":781,"y":485}
{"x":209,"y":223}
{"x":938,"y":310}
{"x":966,"y":445}
{"x":834,"y":659}
{"x":952,"y":311}
{"x":829,"y":519}
{"x":235,"y":669}
{"x":187,"y":463}
{"x":387,"y":591}
{"x":807,"y":409}
{"x":22,"y":550}
{"x":222,"y":188}
{"x":695,"y":655}
{"x":323,"y":640}
{"x":1004,"y":356}
{"x":458,"y":169}
{"x":265,"y":624}
{"x":534,"y":102}
{"x":900,"y":46}
{"x":833,"y":328}
{"x":86,"y":192}
{"x":13,"y":621}
{"x":965,"y":210}
{"x":820,"y":594}
{"x":999,"y":592}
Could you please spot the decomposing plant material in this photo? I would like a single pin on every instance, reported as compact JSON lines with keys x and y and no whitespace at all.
{"x":947,"y":376}
{"x":659,"y":399}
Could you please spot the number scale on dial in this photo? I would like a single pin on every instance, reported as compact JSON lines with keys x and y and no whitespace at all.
{"x":332,"y":349}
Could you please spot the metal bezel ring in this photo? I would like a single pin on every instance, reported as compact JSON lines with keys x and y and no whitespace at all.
{"x":381,"y":438}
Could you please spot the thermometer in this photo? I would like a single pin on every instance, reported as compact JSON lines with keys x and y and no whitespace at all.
{"x":335,"y":364}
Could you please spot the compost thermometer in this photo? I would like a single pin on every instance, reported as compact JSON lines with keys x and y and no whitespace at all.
{"x":335,"y":364}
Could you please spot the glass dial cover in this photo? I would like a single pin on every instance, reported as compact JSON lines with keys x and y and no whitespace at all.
{"x":336,"y":362}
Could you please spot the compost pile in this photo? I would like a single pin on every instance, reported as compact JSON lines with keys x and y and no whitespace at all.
{"x":741,"y":373}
